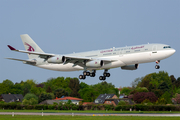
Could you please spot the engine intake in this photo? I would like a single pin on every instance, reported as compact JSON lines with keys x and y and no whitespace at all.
{"x":130,"y":67}
{"x":57,"y":59}
{"x":95,"y":63}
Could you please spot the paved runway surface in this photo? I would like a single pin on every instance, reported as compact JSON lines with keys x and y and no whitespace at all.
{"x":86,"y":114}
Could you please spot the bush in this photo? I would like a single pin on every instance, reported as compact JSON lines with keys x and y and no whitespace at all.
{"x":139,"y":97}
{"x":32,"y":101}
{"x":109,"y":107}
{"x":1,"y":102}
{"x":28,"y":107}
{"x":124,"y":107}
{"x":75,"y":107}
{"x":40,"y":107}
{"x":19,"y":107}
{"x":51,"y":107}
{"x":55,"y":103}
{"x":28,"y":96}
{"x":122,"y":102}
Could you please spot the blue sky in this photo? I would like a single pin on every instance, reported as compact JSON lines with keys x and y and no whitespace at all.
{"x":66,"y":26}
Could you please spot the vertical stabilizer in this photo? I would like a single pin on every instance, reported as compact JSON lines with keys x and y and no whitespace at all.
{"x":30,"y":45}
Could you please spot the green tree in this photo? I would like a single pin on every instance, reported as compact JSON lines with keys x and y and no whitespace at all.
{"x":28,"y":96}
{"x":125,"y":90}
{"x":83,"y":85}
{"x":122,"y":102}
{"x":177,"y":83}
{"x":178,"y":91}
{"x":27,"y":85}
{"x":155,"y":81}
{"x":56,"y":83}
{"x":88,"y":94}
{"x":105,"y":87}
{"x":49,"y":90}
{"x":36,"y":90}
{"x":60,"y":92}
{"x":6,"y":86}
{"x":173,"y":79}
{"x":17,"y":89}
{"x":31,"y":101}
{"x":136,"y":82}
{"x":74,"y":86}
{"x":45,"y":96}
{"x":167,"y":97}
{"x":163,"y":87}
{"x":139,"y":89}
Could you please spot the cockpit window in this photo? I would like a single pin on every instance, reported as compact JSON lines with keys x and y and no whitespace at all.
{"x":166,"y":47}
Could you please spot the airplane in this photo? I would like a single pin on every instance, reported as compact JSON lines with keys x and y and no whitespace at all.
{"x":128,"y":58}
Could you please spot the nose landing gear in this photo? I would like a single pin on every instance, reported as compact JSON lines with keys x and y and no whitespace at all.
{"x":157,"y":66}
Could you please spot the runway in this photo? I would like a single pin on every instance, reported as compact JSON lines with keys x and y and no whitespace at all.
{"x":89,"y":114}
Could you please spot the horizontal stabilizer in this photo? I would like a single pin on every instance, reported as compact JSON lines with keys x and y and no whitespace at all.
{"x":11,"y":48}
{"x":25,"y":61}
{"x":41,"y":54}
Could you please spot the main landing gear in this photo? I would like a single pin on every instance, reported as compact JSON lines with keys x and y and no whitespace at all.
{"x":105,"y":74}
{"x":157,"y":66}
{"x":93,"y":74}
{"x":86,"y":73}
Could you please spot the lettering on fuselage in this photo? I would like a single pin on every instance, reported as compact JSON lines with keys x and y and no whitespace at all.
{"x":118,"y":49}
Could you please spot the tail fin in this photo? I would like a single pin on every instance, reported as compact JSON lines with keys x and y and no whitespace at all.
{"x":30,"y":45}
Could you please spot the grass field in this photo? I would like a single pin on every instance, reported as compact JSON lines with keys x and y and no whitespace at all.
{"x":25,"y":117}
{"x":87,"y":111}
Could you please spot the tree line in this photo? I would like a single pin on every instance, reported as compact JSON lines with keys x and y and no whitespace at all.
{"x":56,"y":87}
{"x":154,"y":88}
{"x":159,"y":88}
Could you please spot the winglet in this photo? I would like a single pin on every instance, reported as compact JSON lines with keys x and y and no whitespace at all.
{"x":11,"y":48}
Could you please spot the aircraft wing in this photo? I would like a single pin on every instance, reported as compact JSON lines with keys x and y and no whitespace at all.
{"x":88,"y":58}
{"x":76,"y":60}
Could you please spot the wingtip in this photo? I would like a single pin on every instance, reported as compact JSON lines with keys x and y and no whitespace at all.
{"x":11,"y":48}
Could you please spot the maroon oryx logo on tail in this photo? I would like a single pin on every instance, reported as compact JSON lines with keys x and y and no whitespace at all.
{"x":30,"y":47}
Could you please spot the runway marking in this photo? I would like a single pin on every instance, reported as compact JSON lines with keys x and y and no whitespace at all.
{"x":89,"y":114}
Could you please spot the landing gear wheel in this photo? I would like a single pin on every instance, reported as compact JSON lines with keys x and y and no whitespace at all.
{"x":157,"y":66}
{"x":87,"y":73}
{"x":92,"y":74}
{"x":82,"y":77}
{"x":102,"y":78}
{"x":106,"y":74}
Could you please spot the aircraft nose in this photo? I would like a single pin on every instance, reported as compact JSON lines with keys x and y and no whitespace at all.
{"x":171,"y":52}
{"x":174,"y":51}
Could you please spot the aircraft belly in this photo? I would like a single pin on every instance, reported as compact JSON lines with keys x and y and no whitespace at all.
{"x":113,"y":64}
{"x":61,"y":67}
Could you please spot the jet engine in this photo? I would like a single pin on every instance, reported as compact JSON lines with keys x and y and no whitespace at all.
{"x":57,"y":59}
{"x":130,"y":67}
{"x":95,"y":63}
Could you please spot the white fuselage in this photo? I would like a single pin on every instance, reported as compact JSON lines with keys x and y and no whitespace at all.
{"x":124,"y":56}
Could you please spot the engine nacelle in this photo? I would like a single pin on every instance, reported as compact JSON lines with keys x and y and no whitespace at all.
{"x":95,"y":63}
{"x":130,"y":67}
{"x":57,"y":59}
